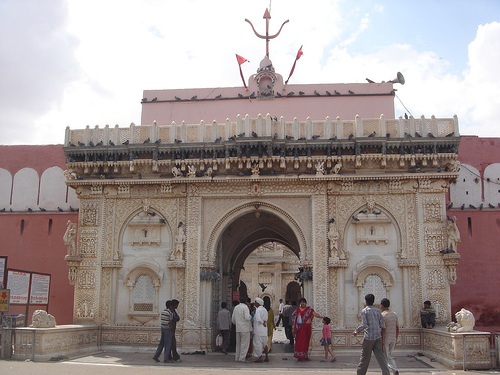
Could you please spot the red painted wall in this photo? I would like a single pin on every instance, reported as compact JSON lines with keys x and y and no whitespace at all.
{"x":38,"y":249}
{"x":478,"y":278}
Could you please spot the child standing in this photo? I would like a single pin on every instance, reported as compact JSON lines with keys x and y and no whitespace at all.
{"x":326,"y":341}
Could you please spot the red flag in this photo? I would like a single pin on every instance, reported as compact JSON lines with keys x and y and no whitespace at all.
{"x":241,"y":60}
{"x":299,"y":53}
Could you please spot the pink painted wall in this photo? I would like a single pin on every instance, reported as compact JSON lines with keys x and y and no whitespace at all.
{"x":369,"y":101}
{"x":478,"y":276}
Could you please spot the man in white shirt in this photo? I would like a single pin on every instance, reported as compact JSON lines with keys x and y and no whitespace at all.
{"x":243,"y":322}
{"x":389,"y":334}
{"x":260,"y":331}
{"x":280,"y":310}
{"x":224,"y":325}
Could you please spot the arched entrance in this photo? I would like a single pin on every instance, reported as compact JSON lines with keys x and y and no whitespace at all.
{"x":241,"y":236}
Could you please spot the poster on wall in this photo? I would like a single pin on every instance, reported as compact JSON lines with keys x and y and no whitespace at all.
{"x":3,"y":267}
{"x":19,"y":284}
{"x":40,"y":284}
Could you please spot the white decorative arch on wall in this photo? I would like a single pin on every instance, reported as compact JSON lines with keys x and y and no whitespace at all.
{"x":491,"y":181}
{"x":467,"y":188}
{"x":5,"y":188}
{"x":53,"y":189}
{"x":25,"y":190}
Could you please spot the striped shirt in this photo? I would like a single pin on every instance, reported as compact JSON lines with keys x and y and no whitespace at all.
{"x":372,"y":323}
{"x":391,"y":322}
{"x":166,"y":318}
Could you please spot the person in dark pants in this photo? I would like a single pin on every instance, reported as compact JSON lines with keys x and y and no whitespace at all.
{"x":288,"y":312}
{"x":224,"y":325}
{"x":166,"y":333}
{"x":372,"y":323}
{"x":173,"y":351}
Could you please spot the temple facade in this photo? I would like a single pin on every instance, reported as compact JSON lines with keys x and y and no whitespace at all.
{"x":173,"y":210}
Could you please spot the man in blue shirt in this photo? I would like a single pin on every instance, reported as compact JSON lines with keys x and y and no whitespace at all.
{"x":167,"y":330}
{"x":372,"y":324}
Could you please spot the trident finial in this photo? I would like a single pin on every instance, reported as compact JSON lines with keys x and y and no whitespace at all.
{"x":267,"y":37}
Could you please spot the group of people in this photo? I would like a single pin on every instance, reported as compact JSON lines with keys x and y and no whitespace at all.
{"x":381,"y":330}
{"x":254,"y":326}
{"x":168,"y":343}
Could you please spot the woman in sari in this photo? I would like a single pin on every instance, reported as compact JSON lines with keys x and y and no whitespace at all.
{"x":302,"y":329}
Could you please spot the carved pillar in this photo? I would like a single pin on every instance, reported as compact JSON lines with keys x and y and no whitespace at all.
{"x":319,"y":250}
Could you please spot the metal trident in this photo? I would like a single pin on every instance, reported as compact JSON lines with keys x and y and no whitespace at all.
{"x":267,"y":37}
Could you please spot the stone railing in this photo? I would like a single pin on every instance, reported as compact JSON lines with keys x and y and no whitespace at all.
{"x":265,"y":127}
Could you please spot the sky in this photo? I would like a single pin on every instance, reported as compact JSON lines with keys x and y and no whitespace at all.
{"x":86,"y":62}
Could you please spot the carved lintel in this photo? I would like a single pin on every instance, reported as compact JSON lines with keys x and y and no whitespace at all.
{"x":335,"y":262}
{"x":408,"y":263}
{"x":178,"y":263}
{"x":112,"y":264}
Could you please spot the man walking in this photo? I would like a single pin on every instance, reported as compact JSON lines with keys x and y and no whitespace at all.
{"x":280,"y":311}
{"x":173,"y":350}
{"x":390,"y":334}
{"x":260,"y":331}
{"x":242,"y":320}
{"x":372,"y":324}
{"x":224,"y":325}
{"x":166,"y":333}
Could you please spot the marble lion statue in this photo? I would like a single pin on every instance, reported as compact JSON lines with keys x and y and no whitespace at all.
{"x":465,"y":322}
{"x":42,"y":319}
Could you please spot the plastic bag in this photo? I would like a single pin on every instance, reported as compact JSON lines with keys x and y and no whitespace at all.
{"x":218,"y":340}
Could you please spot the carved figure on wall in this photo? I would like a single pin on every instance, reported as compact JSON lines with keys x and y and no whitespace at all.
{"x":320,"y":168}
{"x":180,"y":239}
{"x":336,"y":169}
{"x":69,"y":237}
{"x":42,"y":319}
{"x":209,"y":172}
{"x":255,"y":169}
{"x":453,"y":233}
{"x":191,"y":171}
{"x":176,"y":172}
{"x":333,"y":237}
{"x":465,"y":322}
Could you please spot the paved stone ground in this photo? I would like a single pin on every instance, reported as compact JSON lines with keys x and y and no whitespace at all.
{"x":281,"y":362}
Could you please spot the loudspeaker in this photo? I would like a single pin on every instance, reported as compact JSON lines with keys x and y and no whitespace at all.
{"x":399,"y":79}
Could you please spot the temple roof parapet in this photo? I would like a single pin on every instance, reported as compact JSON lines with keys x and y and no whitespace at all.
{"x":262,"y":127}
{"x":265,"y":147}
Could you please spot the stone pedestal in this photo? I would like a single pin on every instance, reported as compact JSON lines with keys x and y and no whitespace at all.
{"x":448,"y":348}
{"x":64,"y":340}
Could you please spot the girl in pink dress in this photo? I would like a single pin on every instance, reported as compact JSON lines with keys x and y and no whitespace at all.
{"x":326,"y":341}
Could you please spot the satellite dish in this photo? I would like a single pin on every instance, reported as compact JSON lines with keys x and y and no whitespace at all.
{"x":399,"y":79}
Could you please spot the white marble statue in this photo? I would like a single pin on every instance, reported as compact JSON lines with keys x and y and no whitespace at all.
{"x":69,"y":237}
{"x":453,"y":234}
{"x":320,"y":168}
{"x":209,"y":172}
{"x":336,"y":169}
{"x":42,"y":319}
{"x":176,"y":172}
{"x":465,"y":322}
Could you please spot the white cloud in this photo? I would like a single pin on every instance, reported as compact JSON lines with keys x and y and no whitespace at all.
{"x":81,"y":63}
